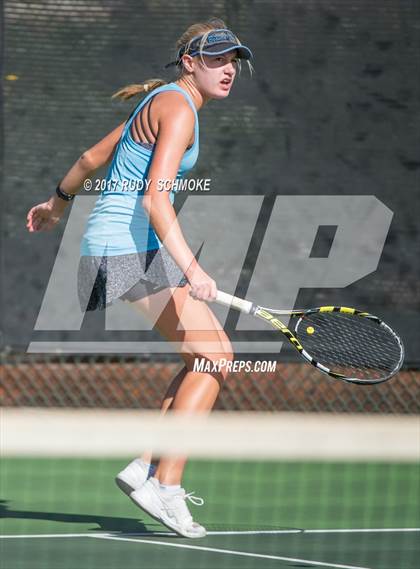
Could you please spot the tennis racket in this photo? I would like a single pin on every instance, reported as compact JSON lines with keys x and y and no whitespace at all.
{"x":344,"y":343}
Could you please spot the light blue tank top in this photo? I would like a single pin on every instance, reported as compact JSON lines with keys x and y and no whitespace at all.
{"x":118,"y":224}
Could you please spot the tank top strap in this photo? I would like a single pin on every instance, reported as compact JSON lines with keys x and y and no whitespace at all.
{"x":167,"y":87}
{"x":140,"y":105}
{"x":174,"y":86}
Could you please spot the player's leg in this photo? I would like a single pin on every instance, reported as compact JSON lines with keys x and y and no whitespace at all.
{"x":165,"y":406}
{"x":135,"y":474}
{"x":197,"y":333}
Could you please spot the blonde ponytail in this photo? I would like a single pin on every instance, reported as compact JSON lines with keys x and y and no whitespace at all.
{"x":135,"y":89}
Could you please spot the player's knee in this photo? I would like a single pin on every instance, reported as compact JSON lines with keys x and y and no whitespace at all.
{"x":217,"y":361}
{"x":221,"y":363}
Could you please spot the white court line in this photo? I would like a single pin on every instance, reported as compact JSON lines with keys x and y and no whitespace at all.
{"x":236,"y":532}
{"x":229,"y":551}
{"x":151,"y":534}
{"x":255,"y":532}
{"x":303,"y":531}
{"x":41,"y":535}
{"x":384,"y":530}
{"x":154,"y":533}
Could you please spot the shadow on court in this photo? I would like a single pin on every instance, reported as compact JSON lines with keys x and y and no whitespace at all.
{"x":105,"y":523}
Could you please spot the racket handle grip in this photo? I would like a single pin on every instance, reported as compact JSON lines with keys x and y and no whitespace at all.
{"x":233,"y":302}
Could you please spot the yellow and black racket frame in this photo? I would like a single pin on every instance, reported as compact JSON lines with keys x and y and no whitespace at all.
{"x":271,"y":315}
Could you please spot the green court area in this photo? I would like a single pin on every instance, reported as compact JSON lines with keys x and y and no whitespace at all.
{"x":61,"y":513}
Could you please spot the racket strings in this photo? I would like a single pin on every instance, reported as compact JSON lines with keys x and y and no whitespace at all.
{"x":352,"y":345}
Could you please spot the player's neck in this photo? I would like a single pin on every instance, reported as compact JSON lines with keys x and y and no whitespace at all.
{"x":198,"y":99}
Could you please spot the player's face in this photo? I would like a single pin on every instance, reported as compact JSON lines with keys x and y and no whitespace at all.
{"x":215,"y":78}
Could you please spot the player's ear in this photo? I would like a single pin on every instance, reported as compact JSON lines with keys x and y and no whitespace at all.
{"x":187,"y":61}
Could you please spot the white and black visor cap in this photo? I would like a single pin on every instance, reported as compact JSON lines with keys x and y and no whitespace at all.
{"x":217,"y":42}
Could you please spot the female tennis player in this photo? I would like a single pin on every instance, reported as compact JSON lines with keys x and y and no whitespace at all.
{"x":133,"y":248}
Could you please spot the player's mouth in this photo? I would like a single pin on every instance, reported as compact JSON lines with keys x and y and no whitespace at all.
{"x":226,"y":83}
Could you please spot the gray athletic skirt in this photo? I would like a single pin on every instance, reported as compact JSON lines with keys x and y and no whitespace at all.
{"x":101,"y":280}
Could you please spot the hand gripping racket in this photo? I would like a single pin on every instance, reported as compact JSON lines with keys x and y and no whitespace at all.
{"x":344,"y":343}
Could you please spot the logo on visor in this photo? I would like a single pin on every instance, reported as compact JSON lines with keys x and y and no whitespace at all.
{"x":220,"y":36}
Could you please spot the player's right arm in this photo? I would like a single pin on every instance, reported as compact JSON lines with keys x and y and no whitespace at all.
{"x":47,"y":214}
{"x":175,"y":129}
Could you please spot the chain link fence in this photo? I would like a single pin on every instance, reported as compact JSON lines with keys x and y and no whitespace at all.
{"x":128,"y":382}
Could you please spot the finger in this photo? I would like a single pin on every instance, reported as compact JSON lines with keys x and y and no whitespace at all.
{"x":193,"y":293}
{"x":37,"y":220}
{"x":31,"y":216}
{"x":210,"y":291}
{"x":205,"y":292}
{"x":213,"y":291}
{"x":35,"y":224}
{"x":38,"y":223}
{"x":197,"y":294}
{"x":33,"y":211}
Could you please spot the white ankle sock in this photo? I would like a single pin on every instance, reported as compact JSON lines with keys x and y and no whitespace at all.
{"x":171,"y":488}
{"x":142,"y":462}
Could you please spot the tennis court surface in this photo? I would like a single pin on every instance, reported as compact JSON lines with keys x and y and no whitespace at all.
{"x":65,"y":512}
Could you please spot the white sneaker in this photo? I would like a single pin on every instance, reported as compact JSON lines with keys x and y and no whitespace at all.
{"x":133,"y":476}
{"x":169,"y":508}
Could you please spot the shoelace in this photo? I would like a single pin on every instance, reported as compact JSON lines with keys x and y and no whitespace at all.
{"x":196,"y":500}
{"x":181,"y":510}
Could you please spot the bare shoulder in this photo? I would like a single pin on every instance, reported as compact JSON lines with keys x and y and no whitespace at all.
{"x":174,"y":106}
